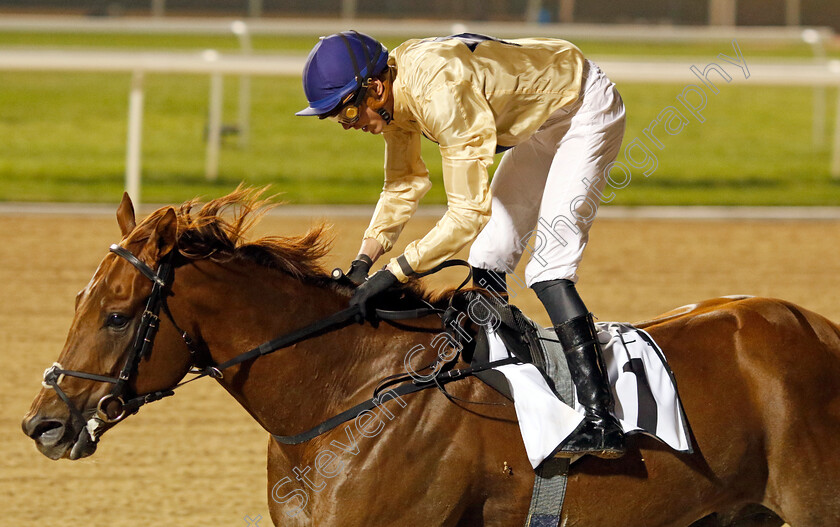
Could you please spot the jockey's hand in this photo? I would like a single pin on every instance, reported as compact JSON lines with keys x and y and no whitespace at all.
{"x":359,"y":268}
{"x":377,"y":284}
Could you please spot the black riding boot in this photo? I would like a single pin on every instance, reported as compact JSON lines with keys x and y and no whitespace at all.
{"x":600,"y":433}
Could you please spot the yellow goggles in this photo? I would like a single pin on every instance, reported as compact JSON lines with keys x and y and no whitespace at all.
{"x":348,"y":114}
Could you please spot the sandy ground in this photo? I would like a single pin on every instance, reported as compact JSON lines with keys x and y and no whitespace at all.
{"x":198,"y":458}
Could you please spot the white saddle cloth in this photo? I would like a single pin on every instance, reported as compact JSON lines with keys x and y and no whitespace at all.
{"x":642,"y":384}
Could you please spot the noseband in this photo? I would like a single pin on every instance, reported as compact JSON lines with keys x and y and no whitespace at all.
{"x":123,"y":401}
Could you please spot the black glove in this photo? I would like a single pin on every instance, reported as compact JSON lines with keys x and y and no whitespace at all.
{"x":377,"y":284}
{"x":359,"y":268}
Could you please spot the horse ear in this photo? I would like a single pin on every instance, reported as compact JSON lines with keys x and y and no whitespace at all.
{"x":125,"y":215}
{"x":163,"y":238}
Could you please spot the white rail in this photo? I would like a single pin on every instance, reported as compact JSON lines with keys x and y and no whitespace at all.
{"x":776,"y":73}
{"x":200,"y":62}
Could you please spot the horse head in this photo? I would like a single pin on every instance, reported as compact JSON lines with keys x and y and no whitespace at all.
{"x":104,"y":363}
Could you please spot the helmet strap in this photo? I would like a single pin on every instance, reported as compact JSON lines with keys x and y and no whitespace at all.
{"x":361,"y":82}
{"x":385,"y":115}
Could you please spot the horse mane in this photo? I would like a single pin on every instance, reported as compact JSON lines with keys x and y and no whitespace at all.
{"x":218,"y":231}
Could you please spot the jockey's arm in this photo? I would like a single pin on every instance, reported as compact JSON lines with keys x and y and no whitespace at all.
{"x":406,"y":182}
{"x":468,"y":198}
{"x":460,"y":120}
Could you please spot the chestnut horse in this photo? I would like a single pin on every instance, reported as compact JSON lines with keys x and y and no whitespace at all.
{"x":759,"y":381}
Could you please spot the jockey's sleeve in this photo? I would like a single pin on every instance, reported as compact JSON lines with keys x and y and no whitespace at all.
{"x":406,"y":182}
{"x":460,"y":120}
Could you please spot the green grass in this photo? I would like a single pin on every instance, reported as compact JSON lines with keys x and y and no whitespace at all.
{"x":754,"y":148}
{"x":62,"y":138}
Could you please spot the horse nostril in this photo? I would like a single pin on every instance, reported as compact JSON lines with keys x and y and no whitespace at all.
{"x":46,"y":432}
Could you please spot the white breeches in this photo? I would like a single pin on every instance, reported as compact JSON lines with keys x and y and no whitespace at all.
{"x":546,"y":190}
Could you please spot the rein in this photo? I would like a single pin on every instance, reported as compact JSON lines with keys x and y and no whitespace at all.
{"x":438,"y":381}
{"x":122,"y":401}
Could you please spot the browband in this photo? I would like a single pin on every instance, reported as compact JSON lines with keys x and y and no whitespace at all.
{"x":147,"y":271}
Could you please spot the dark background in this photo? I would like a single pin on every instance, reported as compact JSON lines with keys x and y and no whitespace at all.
{"x":684,"y":12}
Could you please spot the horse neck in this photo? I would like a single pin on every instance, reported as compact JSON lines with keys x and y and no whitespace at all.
{"x":235,"y":307}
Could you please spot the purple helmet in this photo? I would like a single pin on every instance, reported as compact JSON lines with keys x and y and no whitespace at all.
{"x":339,"y":65}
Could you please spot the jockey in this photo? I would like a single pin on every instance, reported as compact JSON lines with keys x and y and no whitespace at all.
{"x":560,"y":122}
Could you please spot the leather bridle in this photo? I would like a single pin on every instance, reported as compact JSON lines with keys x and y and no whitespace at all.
{"x":122,"y":401}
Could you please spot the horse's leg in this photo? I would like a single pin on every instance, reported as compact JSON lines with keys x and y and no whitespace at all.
{"x":440,"y":473}
{"x":757,"y":516}
{"x":278,"y":468}
{"x":805,"y":470}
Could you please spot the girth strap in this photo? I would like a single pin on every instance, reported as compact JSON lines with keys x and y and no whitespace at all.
{"x":549,"y":493}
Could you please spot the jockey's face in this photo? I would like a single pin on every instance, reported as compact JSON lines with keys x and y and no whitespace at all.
{"x":378,"y":96}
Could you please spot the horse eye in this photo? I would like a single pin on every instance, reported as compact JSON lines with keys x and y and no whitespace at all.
{"x":117,"y":321}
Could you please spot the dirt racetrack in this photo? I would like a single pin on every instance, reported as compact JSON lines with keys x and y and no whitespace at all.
{"x":197,"y":459}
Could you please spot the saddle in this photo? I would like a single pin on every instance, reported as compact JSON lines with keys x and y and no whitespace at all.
{"x":522,"y":337}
